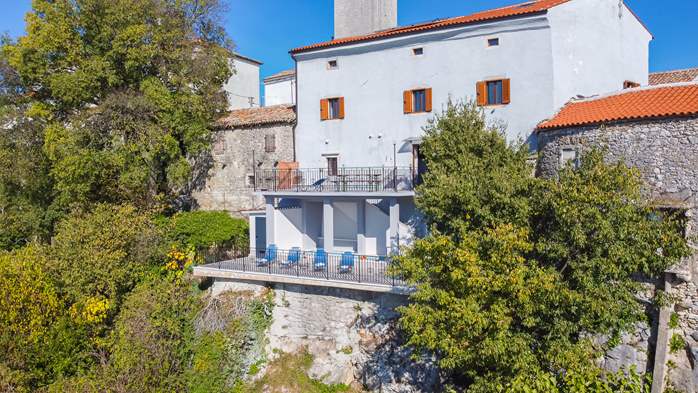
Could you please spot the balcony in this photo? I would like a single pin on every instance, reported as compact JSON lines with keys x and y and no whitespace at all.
{"x":313,"y":268}
{"x":355,"y":180}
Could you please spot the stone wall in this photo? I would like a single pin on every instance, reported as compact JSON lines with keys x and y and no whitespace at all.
{"x":352,"y":336}
{"x":228,"y":186}
{"x":666,"y":153}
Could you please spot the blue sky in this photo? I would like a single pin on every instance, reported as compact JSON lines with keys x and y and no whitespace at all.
{"x":267,"y":29}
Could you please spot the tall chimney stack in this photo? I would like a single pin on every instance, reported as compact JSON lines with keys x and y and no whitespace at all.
{"x":358,"y":17}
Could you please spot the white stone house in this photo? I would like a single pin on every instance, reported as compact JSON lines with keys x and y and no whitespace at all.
{"x":280,"y":88}
{"x":243,"y":86}
{"x":363,"y":99}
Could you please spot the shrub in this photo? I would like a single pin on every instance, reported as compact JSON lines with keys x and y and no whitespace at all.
{"x":205,"y":230}
{"x":677,"y":343}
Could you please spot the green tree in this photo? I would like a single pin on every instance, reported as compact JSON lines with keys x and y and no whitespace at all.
{"x":520,"y":272}
{"x":106,"y":101}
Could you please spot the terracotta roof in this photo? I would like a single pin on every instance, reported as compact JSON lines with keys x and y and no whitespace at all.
{"x":530,"y":7}
{"x":281,"y":75}
{"x":675,"y":76}
{"x":259,"y":116}
{"x":632,"y":104}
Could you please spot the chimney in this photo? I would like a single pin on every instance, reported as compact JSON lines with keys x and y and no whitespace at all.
{"x":359,"y":17}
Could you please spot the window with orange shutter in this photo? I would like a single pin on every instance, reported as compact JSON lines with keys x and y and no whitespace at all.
{"x":332,"y":108}
{"x":417,"y":101}
{"x":494,"y":92}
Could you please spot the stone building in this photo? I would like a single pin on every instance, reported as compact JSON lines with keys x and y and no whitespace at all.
{"x":654,"y":129}
{"x":674,"y":76}
{"x":247,"y":140}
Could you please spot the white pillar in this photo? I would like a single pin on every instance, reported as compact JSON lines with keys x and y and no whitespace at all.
{"x":328,"y":225}
{"x":394,"y":225}
{"x":361,"y":227}
{"x":270,"y":220}
{"x":253,"y":232}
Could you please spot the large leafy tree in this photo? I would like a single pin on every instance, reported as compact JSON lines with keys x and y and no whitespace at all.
{"x":520,"y":272}
{"x":106,"y":101}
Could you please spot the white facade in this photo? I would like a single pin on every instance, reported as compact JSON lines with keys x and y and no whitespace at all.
{"x":243,"y":86}
{"x":581,"y":47}
{"x":280,"y":90}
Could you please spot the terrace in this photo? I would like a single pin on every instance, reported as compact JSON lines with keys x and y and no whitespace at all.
{"x":315,"y":268}
{"x":342,"y":180}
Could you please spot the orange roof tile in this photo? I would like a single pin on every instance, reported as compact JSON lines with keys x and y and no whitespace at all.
{"x":258,"y":116}
{"x":675,"y":76}
{"x":530,"y":7}
{"x":633,"y":104}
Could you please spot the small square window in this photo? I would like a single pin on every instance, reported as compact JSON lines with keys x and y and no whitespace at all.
{"x":569,"y":156}
{"x":419,"y":100}
{"x":493,"y":42}
{"x":332,"y":64}
{"x":333,"y":108}
{"x":250,"y":181}
{"x":418,"y":51}
{"x":495,"y":90}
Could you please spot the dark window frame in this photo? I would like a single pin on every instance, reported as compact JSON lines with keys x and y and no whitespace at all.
{"x":495,"y":92}
{"x":333,"y":109}
{"x":492,"y":42}
{"x":332,"y":165}
{"x":419,"y":101}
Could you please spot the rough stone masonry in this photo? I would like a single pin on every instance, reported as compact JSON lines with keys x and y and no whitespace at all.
{"x":666,"y":153}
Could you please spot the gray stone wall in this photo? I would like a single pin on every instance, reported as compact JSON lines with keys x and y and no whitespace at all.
{"x":227,"y":186}
{"x":666,"y":153}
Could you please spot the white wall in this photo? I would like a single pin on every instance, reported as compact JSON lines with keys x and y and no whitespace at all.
{"x":373,"y":76}
{"x":357,"y":17}
{"x":243,"y":84}
{"x":288,"y":228}
{"x":281,"y":92}
{"x":596,"y":47}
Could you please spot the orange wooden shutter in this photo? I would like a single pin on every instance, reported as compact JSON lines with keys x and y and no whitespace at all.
{"x":481,"y":93}
{"x":506,"y":91}
{"x":427,"y":100}
{"x":341,"y":107}
{"x":324,"y":112}
{"x":407,"y":101}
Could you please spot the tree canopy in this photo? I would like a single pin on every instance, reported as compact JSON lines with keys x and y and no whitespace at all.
{"x":520,"y":272}
{"x":106,"y":101}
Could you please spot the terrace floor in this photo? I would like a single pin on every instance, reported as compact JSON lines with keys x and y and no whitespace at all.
{"x":368,"y":273}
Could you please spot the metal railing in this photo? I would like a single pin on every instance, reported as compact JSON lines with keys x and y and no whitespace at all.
{"x":367,"y":179}
{"x":346,"y":267}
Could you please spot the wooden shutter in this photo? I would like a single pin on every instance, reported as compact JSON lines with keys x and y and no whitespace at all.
{"x":427,"y":100}
{"x":324,"y":109}
{"x":506,"y":91}
{"x":481,"y":93}
{"x":341,"y":107}
{"x":269,"y":143}
{"x":407,"y":101}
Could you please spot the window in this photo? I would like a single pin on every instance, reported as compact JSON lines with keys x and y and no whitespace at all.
{"x":630,"y":85}
{"x":270,"y":143}
{"x":332,"y":65}
{"x":569,"y":156}
{"x":493,"y":42}
{"x":417,"y":101}
{"x":332,"y":166}
{"x":250,"y":181}
{"x":332,"y":108}
{"x":418,"y":51}
{"x":494,"y":92}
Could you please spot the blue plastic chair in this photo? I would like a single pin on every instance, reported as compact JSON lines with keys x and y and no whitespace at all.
{"x":347,"y":263}
{"x":294,"y":256}
{"x":320,"y":260}
{"x":269,"y":256}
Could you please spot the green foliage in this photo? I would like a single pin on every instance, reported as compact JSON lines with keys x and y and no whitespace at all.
{"x":205,"y":230}
{"x":517,"y":272}
{"x":677,"y":343}
{"x":105,"y":253}
{"x":674,"y":321}
{"x":106,"y":102}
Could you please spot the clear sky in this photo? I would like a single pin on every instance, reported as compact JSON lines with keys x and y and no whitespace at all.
{"x":267,"y":29}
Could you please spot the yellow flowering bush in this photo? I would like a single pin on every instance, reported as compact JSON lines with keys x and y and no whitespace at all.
{"x":94,"y":311}
{"x":179,"y":261}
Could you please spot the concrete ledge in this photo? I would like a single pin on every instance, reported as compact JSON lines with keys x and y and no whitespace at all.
{"x":201,"y":271}
{"x":362,"y":194}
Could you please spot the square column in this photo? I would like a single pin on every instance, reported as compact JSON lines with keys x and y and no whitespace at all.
{"x":270,"y":220}
{"x":328,"y":225}
{"x":394,"y":226}
{"x":361,"y":227}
